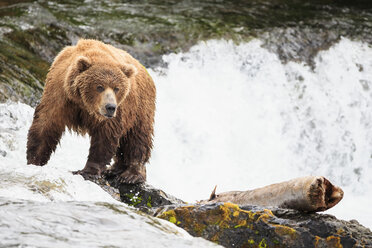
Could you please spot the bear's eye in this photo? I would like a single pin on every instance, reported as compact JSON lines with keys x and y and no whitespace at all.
{"x":100,"y":88}
{"x":116,"y":90}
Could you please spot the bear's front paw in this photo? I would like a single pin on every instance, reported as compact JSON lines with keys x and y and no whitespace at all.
{"x":91,"y":171}
{"x":133,"y":175}
{"x":129,"y":178}
{"x":34,"y":160}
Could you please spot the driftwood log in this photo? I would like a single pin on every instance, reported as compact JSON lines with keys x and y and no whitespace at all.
{"x":309,"y":194}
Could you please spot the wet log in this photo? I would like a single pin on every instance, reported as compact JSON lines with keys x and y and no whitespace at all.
{"x":309,"y":194}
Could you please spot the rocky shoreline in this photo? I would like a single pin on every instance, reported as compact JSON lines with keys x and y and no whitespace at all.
{"x":231,"y":225}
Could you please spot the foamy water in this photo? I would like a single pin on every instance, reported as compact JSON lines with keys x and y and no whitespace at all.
{"x":231,"y":115}
{"x":235,"y":116}
{"x":49,"y":207}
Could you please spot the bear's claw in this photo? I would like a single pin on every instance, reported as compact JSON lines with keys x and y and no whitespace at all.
{"x":133,"y":174}
{"x":91,"y":171}
{"x":130,"y":178}
{"x":85,"y":175}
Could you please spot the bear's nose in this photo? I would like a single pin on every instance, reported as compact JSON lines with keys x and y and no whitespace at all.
{"x":110,"y":108}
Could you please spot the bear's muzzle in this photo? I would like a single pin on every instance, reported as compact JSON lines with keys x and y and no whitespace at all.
{"x":110,"y":110}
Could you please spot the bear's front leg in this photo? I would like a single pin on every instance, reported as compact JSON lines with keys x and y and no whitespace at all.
{"x":103,"y":145}
{"x":132,"y":155}
{"x":43,"y":136}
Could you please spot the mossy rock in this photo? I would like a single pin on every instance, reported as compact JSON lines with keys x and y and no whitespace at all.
{"x":231,"y":225}
{"x":251,"y":226}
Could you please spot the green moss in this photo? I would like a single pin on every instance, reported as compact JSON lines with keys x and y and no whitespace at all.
{"x":148,"y":204}
{"x":134,"y":200}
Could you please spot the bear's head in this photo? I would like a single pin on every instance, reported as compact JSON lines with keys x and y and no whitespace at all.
{"x":99,"y":87}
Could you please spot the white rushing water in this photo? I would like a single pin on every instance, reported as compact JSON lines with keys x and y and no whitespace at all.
{"x":235,"y":116}
{"x":49,"y":207}
{"x":231,"y":115}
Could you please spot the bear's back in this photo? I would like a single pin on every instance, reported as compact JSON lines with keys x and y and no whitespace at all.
{"x":99,"y":52}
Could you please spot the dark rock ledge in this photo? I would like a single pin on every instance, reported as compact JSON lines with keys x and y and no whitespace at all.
{"x":231,"y":225}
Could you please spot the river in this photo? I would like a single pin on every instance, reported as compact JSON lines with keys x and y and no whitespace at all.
{"x":248,"y":94}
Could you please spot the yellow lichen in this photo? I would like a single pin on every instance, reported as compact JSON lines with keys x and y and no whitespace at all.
{"x":232,"y":213}
{"x":262,"y":244}
{"x":250,"y":241}
{"x":317,"y":238}
{"x":340,"y":231}
{"x":224,"y":216}
{"x":225,"y":212}
{"x":265,"y":216}
{"x":268,"y":211}
{"x":167,"y":215}
{"x":285,"y":231}
{"x":236,"y":213}
{"x":215,"y":238}
{"x":334,"y":242}
{"x":173,"y":219}
{"x":238,"y":210}
{"x":241,"y":223}
{"x":232,"y":206}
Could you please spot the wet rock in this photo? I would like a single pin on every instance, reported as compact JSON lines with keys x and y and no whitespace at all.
{"x":142,"y":196}
{"x":231,"y":225}
{"x":145,"y":196}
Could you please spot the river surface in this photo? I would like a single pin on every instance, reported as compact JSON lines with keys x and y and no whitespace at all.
{"x":261,"y":98}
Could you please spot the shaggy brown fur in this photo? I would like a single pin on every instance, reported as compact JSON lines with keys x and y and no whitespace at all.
{"x":82,"y":81}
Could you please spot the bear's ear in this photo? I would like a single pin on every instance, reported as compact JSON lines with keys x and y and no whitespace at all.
{"x":129,"y":70}
{"x":82,"y":63}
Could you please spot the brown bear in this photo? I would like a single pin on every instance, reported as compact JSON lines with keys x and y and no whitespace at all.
{"x":96,"y":89}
